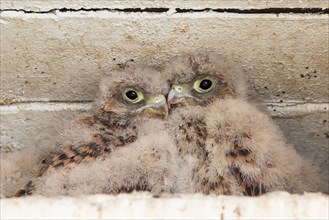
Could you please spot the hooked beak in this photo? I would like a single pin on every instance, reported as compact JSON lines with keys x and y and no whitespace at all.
{"x":157,"y":105}
{"x":177,"y":94}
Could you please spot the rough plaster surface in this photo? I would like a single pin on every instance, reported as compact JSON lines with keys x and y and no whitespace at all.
{"x":309,"y":134}
{"x":38,"y":124}
{"x":285,"y":56}
{"x":279,"y":205}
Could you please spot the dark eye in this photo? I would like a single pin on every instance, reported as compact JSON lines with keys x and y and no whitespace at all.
{"x":131,"y":95}
{"x":205,"y":84}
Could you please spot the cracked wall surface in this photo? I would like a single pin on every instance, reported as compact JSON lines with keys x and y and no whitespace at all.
{"x":54,"y":52}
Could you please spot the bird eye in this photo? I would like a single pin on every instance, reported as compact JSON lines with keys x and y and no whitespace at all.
{"x":204,"y":85}
{"x":132,"y":95}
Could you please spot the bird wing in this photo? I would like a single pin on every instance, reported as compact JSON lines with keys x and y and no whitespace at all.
{"x":246,"y":143}
{"x":106,"y":136}
{"x":71,"y":156}
{"x":248,"y":173}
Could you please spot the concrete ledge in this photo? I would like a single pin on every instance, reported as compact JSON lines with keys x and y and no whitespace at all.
{"x":278,"y":205}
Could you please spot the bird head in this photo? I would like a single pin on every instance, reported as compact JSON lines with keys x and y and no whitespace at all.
{"x":201,"y":80}
{"x":202,"y":90}
{"x":134,"y":101}
{"x":136,"y":91}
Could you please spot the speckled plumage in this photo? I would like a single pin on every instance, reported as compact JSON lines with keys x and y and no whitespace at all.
{"x":228,"y":141}
{"x":220,"y":141}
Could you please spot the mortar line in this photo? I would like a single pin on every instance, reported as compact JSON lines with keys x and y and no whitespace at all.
{"x":296,"y":10}
{"x":275,"y":108}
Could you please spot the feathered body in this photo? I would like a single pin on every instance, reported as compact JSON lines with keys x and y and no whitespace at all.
{"x":229,"y":143}
{"x":113,"y":132}
{"x":217,"y":139}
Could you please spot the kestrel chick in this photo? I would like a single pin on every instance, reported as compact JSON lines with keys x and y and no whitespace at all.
{"x":230,"y":146}
{"x":129,"y":100}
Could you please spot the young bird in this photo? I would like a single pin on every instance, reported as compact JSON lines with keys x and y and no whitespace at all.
{"x":230,"y":145}
{"x":124,"y":137}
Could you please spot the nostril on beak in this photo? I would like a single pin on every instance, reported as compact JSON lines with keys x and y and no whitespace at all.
{"x":177,"y":88}
{"x":159,"y":99}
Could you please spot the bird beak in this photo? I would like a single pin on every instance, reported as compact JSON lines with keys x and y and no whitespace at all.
{"x":178,"y":94}
{"x":157,"y":105}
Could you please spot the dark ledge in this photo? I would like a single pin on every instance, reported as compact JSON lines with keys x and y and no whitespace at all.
{"x":188,"y":10}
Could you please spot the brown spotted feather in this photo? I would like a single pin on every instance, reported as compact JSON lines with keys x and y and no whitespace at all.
{"x":108,"y":135}
{"x":194,"y":136}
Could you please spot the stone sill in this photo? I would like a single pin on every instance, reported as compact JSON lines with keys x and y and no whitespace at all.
{"x":276,"y":205}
